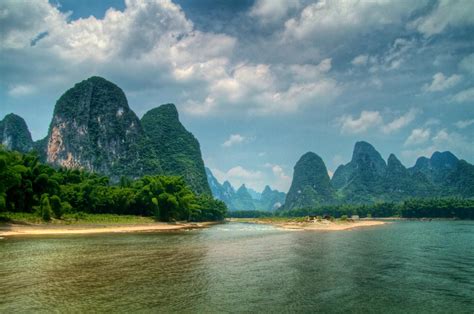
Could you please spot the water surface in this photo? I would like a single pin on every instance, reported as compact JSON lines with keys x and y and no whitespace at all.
{"x":412,"y":267}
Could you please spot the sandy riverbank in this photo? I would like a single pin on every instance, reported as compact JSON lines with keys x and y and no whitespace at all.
{"x":7,"y":230}
{"x":324,"y":225}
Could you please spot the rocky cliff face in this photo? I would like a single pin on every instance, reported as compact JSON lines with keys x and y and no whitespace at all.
{"x":14,"y":134}
{"x":311,"y":185}
{"x":178,"y":150}
{"x":93,"y":128}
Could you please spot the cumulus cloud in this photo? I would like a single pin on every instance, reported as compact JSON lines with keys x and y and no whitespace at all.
{"x":446,"y":14}
{"x":400,"y":122}
{"x":464,"y":123}
{"x":441,"y":82}
{"x":373,"y":119}
{"x":20,"y":90}
{"x":366,"y":120}
{"x":418,"y":136}
{"x":464,"y":95}
{"x":336,"y":17}
{"x":360,"y":60}
{"x":272,"y":10}
{"x":239,"y":175}
{"x":233,"y":139}
{"x":281,"y":181}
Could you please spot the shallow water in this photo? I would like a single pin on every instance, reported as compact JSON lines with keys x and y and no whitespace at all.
{"x":408,"y":266}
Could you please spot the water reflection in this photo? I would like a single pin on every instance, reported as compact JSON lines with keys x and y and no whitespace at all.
{"x":408,"y":266}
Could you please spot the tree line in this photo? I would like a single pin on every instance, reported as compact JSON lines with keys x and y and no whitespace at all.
{"x":414,"y":208}
{"x":27,"y":185}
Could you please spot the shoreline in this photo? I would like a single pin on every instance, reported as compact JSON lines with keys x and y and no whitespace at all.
{"x":324,"y":225}
{"x":13,"y":230}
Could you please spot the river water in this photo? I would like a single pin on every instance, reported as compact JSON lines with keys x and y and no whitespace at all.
{"x":403,"y":267}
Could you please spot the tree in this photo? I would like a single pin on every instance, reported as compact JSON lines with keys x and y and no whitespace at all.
{"x":56,"y":206}
{"x":45,"y":208}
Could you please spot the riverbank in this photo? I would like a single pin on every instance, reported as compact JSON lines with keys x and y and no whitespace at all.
{"x":8,"y":230}
{"x":315,"y":225}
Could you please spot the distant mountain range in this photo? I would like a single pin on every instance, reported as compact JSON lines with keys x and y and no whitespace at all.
{"x":367,"y":178}
{"x":245,"y":198}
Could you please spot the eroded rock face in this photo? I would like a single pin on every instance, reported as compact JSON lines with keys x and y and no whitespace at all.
{"x":94,"y":129}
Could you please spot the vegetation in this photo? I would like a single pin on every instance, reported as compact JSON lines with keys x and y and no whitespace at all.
{"x":413,"y":208}
{"x":75,"y":218}
{"x":28,"y":186}
{"x":178,"y":150}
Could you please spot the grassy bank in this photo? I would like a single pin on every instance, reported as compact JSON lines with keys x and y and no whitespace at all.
{"x":72,"y":219}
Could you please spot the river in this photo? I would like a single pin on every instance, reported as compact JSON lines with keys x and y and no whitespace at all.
{"x":405,"y":267}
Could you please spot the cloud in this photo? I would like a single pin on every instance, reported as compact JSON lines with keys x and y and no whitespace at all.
{"x":281,"y":181}
{"x":239,"y":175}
{"x":366,"y":120}
{"x":441,"y":82}
{"x":464,"y":123}
{"x":233,"y":139}
{"x":21,"y":90}
{"x":467,"y":63}
{"x":336,"y":17}
{"x":446,"y":14}
{"x":400,"y":122}
{"x":464,"y":96}
{"x":360,"y":60}
{"x":269,"y":11}
{"x":418,"y":136}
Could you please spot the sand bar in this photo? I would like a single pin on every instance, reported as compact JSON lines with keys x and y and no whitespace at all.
{"x":7,"y":230}
{"x":324,"y":225}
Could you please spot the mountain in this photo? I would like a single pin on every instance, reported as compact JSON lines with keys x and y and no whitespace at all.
{"x":368,"y":179}
{"x":254,"y":194}
{"x":14,"y":133}
{"x":270,"y":199}
{"x":242,"y":199}
{"x":93,"y":128}
{"x":245,"y":198}
{"x":438,"y":167}
{"x":311,"y":185}
{"x":178,"y":150}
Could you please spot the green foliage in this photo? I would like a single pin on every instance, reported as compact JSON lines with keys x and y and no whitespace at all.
{"x":27,"y":184}
{"x":56,"y":206}
{"x":249,"y":214}
{"x":45,"y":208}
{"x":178,"y":150}
{"x":14,"y":132}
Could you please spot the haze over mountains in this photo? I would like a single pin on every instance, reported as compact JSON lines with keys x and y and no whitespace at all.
{"x":245,"y":198}
{"x":93,"y":128}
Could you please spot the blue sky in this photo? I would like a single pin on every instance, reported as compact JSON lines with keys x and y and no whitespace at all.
{"x":260,"y":82}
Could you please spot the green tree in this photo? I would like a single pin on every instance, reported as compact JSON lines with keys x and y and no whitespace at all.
{"x":56,"y":206}
{"x":45,"y":208}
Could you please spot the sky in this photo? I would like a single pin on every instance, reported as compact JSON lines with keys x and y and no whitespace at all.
{"x":259,"y":83}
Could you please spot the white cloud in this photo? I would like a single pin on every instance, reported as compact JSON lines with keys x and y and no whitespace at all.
{"x":400,"y":122}
{"x":464,"y":123}
{"x":360,"y":60}
{"x":447,"y":13}
{"x":464,"y":96}
{"x":340,"y":17}
{"x":272,"y":10}
{"x":239,"y":175}
{"x":441,"y":82}
{"x":20,"y":90}
{"x":366,"y":120}
{"x":418,"y":136}
{"x":234,"y":139}
{"x":281,"y":181}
